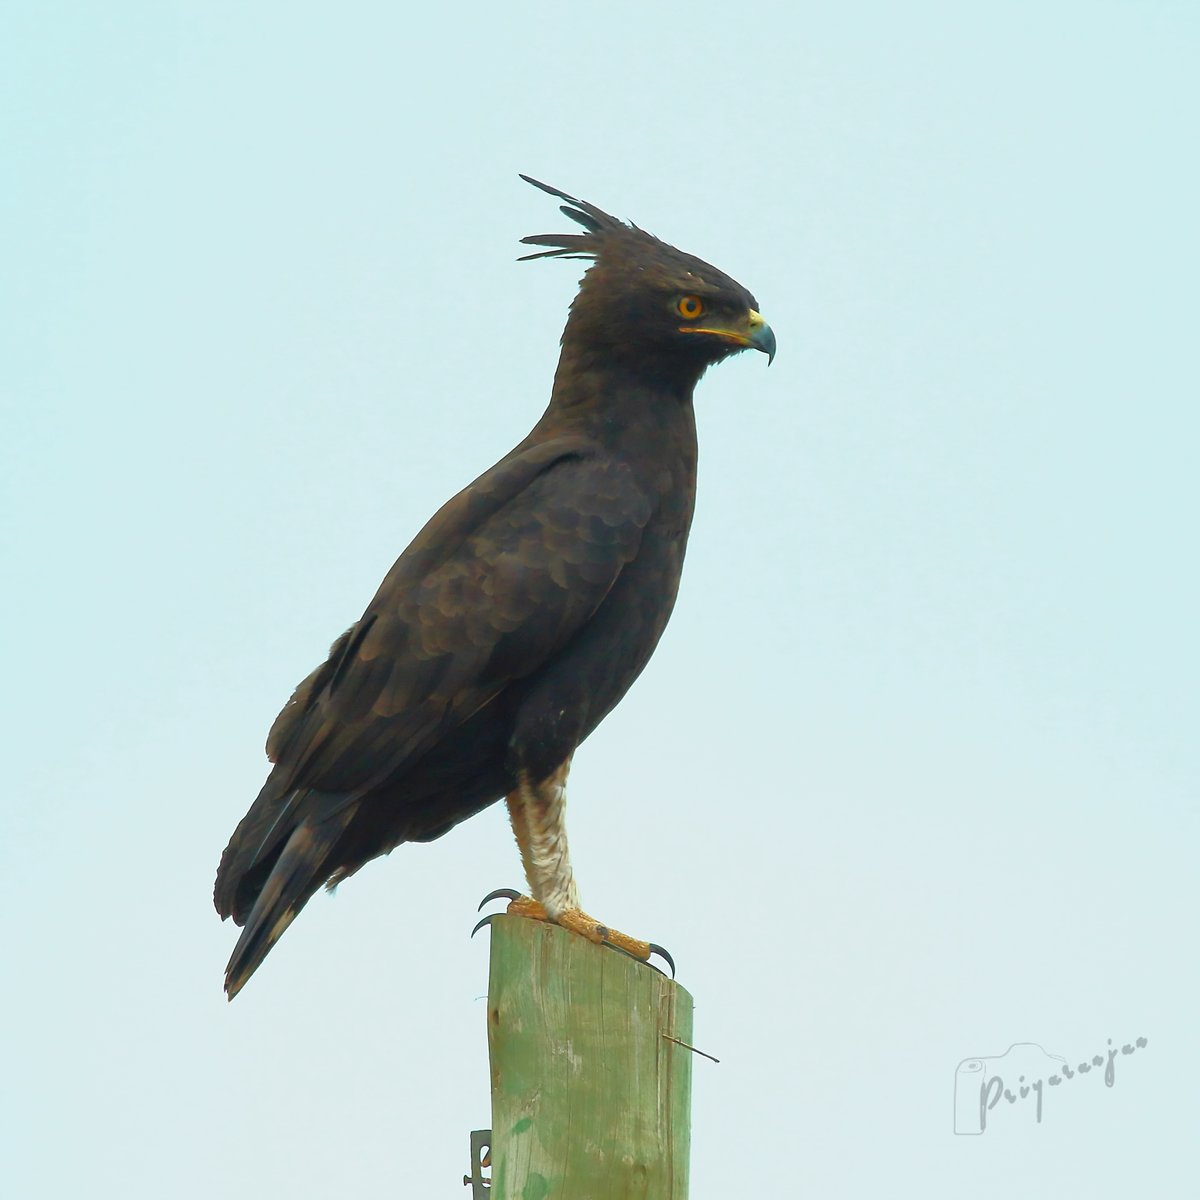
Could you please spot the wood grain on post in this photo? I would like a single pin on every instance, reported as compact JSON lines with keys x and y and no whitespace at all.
{"x":590,"y":1100}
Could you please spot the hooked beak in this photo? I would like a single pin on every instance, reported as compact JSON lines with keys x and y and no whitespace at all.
{"x":754,"y":333}
{"x":760,"y":336}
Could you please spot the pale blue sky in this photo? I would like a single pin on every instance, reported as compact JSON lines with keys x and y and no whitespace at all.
{"x":914,"y":773}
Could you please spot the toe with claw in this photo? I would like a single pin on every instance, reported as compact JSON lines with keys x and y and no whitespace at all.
{"x":518,"y":906}
{"x":578,"y":922}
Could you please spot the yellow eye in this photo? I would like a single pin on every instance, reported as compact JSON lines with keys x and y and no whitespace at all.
{"x":690,"y":307}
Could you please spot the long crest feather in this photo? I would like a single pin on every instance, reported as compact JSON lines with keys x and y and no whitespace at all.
{"x":572,"y":245}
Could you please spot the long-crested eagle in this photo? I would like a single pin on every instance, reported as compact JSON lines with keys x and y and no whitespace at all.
{"x":516,"y":619}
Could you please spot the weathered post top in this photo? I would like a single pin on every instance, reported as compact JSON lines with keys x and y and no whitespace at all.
{"x":591,"y":1090}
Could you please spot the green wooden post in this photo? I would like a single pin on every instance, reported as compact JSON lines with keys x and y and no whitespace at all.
{"x":590,"y":1098}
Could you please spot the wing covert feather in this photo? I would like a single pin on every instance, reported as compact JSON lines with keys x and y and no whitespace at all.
{"x":499,"y":580}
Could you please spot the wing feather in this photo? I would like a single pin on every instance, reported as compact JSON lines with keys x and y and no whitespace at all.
{"x":516,"y":588}
{"x":500,"y":579}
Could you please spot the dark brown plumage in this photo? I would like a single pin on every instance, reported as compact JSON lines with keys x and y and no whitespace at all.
{"x":518,"y":617}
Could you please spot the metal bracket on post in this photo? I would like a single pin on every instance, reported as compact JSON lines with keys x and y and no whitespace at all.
{"x":481,"y":1157}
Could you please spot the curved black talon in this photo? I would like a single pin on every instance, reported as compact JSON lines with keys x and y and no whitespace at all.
{"x":486,"y":921}
{"x":644,"y":962}
{"x":654,"y":949}
{"x":665,"y":954}
{"x":498,"y":894}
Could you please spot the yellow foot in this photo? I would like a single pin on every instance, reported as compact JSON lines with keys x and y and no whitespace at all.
{"x":577,"y":921}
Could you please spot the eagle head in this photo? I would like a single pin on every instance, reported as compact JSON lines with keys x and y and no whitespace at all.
{"x":646,"y":306}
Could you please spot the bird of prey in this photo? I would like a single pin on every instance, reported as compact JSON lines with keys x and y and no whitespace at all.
{"x":517,"y":618}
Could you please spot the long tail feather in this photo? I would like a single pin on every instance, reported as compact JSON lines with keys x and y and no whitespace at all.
{"x":297,"y":874}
